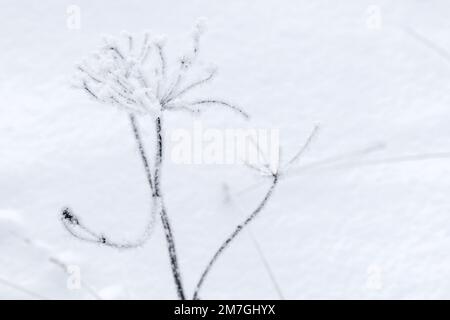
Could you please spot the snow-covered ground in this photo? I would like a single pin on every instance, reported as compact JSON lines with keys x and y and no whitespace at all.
{"x":374,"y":223}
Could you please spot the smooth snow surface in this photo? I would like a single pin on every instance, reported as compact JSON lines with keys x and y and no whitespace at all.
{"x":372,"y":223}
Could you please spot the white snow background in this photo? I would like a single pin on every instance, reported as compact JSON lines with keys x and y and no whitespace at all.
{"x":359,"y":228}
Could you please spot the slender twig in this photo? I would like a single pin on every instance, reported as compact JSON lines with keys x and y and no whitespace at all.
{"x":164,"y":217}
{"x":191,"y":86}
{"x":171,"y":107}
{"x":221,"y":103}
{"x":61,"y":264}
{"x":333,"y":160}
{"x":396,"y":159}
{"x":428,"y":43}
{"x":233,"y":236}
{"x":266,"y":167}
{"x":162,"y":59}
{"x":22,"y":289}
{"x":266,"y":264}
{"x":259,"y":250}
{"x":140,"y":144}
{"x":304,"y":147}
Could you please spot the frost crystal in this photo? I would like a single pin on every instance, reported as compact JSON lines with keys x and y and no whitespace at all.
{"x":134,"y":75}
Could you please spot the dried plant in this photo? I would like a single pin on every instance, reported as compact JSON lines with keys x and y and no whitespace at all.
{"x":274,"y":175}
{"x":135,"y":76}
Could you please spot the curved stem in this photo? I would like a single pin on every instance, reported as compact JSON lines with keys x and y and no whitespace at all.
{"x":164,"y":217}
{"x":80,"y":231}
{"x":233,"y":235}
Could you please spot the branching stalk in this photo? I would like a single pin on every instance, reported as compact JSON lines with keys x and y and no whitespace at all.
{"x":233,"y":236}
